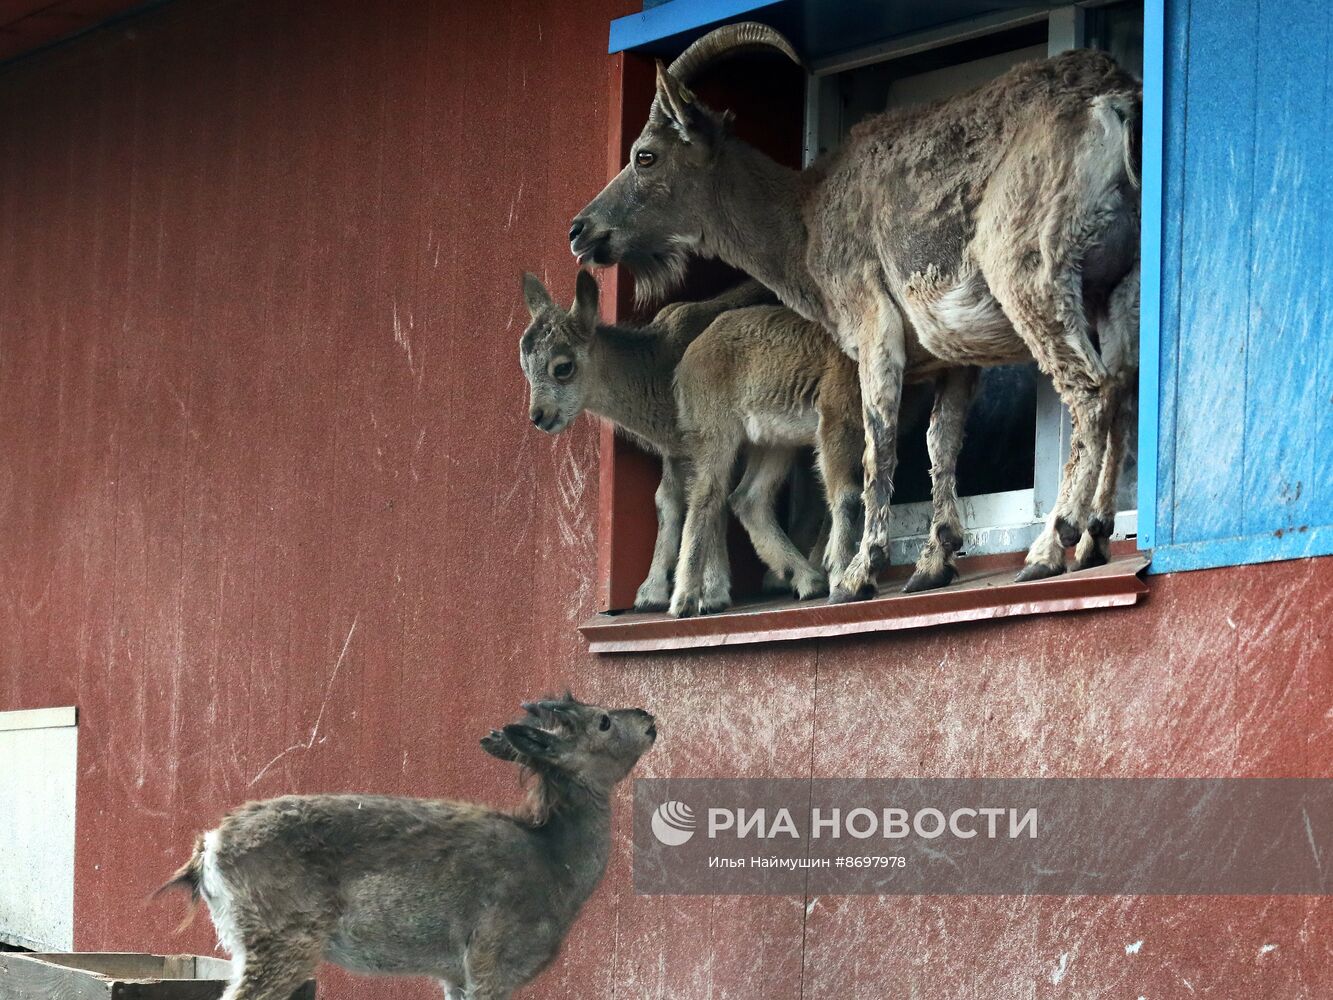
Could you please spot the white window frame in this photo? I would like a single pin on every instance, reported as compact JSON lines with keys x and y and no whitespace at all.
{"x":993,"y":522}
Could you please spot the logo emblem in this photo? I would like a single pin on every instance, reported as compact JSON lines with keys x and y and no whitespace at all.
{"x":673,"y":823}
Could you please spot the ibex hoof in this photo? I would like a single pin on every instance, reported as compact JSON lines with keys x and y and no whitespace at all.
{"x":1092,"y":551}
{"x":652,"y":598}
{"x":692,"y":606}
{"x":858,"y":583}
{"x":843,"y":594}
{"x":1092,"y":560}
{"x":810,"y":585}
{"x":1038,"y":571}
{"x":930,"y":579}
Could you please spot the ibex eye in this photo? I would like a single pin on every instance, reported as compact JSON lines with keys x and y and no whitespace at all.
{"x":606,"y":723}
{"x":644,"y":158}
{"x":563,"y":370}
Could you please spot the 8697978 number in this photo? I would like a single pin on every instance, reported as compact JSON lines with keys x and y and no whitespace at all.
{"x":872,"y":861}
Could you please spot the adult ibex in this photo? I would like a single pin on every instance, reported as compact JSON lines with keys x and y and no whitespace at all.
{"x":994,"y":226}
{"x":759,"y":378}
{"x":476,"y":898}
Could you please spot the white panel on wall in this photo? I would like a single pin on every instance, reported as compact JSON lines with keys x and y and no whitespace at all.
{"x":38,"y":767}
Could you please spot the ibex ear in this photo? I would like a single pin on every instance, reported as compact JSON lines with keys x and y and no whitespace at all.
{"x":676,"y":102}
{"x":536,"y":295}
{"x":495,"y":744}
{"x":531,"y":741}
{"x":585,"y":301}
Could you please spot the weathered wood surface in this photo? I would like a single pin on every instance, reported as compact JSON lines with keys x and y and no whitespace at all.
{"x":27,"y":977}
{"x":116,"y":976}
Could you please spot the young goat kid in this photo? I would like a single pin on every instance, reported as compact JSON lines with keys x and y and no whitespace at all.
{"x":622,"y":374}
{"x":765,"y":380}
{"x":758,"y":376}
{"x":476,"y":898}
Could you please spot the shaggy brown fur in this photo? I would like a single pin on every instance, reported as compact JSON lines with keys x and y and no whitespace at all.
{"x":987,"y":228}
{"x":766,"y":380}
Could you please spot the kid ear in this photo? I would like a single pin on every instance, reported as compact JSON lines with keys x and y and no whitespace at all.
{"x":495,"y":744}
{"x":585,"y":300}
{"x":535,"y":295}
{"x":530,"y":741}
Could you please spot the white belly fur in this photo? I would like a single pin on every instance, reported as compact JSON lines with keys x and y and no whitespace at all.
{"x":782,"y":428}
{"x":964,"y":325}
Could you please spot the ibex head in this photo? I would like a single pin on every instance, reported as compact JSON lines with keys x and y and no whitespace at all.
{"x":554,"y":352}
{"x":566,"y":740}
{"x":652,"y":213}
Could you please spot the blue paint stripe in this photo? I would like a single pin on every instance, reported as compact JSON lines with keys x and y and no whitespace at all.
{"x":1321,"y":442}
{"x":674,"y":18}
{"x":1288,"y":311}
{"x":1150,"y":252}
{"x":1240,"y":551}
{"x":1174,"y":115}
{"x":1216,"y":252}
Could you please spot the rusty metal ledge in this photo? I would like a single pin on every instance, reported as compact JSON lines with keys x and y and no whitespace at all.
{"x":984,"y":593}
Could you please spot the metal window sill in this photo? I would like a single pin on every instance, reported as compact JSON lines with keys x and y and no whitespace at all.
{"x":985,"y":591}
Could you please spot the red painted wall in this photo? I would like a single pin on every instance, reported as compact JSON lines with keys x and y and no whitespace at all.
{"x":274,"y":520}
{"x":27,"y":25}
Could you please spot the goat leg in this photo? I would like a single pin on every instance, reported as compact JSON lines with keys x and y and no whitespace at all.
{"x":702,"y":577}
{"x":881,"y":356}
{"x":655,"y":591}
{"x":1095,"y":545}
{"x":1047,"y":313}
{"x":273,"y":971}
{"x":935,"y":567}
{"x":839,"y":442}
{"x":754,"y":502}
{"x":1118,"y":336}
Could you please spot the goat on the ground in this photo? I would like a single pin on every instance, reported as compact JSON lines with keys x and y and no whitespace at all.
{"x":476,"y":898}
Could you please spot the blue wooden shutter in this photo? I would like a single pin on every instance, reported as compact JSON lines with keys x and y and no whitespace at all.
{"x":1240,"y":350}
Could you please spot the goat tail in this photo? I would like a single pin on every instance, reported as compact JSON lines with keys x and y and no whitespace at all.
{"x":1122,"y":112}
{"x":188,"y":876}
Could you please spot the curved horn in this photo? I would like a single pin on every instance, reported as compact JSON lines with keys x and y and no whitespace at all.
{"x":745,"y":37}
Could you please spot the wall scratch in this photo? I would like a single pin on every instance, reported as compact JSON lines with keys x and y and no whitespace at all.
{"x":314,"y":731}
{"x":401,"y":337}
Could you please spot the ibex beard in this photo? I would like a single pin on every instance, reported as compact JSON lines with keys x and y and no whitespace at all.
{"x":477,"y":898}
